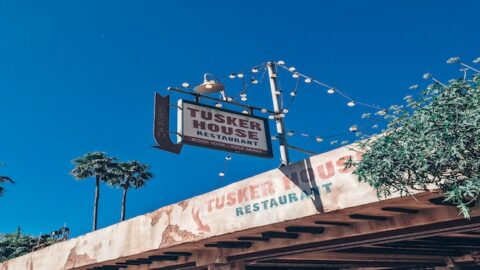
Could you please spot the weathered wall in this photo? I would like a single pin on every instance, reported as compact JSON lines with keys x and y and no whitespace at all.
{"x":316,"y":185}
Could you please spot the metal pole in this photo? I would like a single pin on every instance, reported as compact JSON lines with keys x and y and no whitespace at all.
{"x":277,"y":108}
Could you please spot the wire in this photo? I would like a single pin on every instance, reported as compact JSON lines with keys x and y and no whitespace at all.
{"x":337,"y":90}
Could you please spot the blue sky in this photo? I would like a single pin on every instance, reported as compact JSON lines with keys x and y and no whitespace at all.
{"x":79,"y":76}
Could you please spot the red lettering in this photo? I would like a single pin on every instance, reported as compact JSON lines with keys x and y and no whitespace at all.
{"x":193,"y":112}
{"x":209,"y":203}
{"x":198,"y":124}
{"x":321,"y":170}
{"x":255,"y":125}
{"x":253,"y":135}
{"x":243,"y":123}
{"x":240,"y":133}
{"x":242,"y":195}
{"x":219,"y":118}
{"x":231,"y":199}
{"x":231,"y":120}
{"x":219,"y":205}
{"x":254,"y":193}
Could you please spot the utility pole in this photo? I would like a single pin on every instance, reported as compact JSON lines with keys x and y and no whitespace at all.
{"x":277,"y":108}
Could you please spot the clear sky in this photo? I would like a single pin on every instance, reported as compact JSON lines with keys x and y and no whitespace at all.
{"x":79,"y":76}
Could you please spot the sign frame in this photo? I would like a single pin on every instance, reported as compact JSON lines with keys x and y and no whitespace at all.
{"x":180,"y":129}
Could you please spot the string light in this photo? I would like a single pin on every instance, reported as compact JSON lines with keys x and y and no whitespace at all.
{"x":285,"y":110}
{"x":427,"y":76}
{"x":274,"y":138}
{"x":254,"y":81}
{"x":281,"y":62}
{"x":293,"y":93}
{"x":240,"y":75}
{"x":254,"y":70}
{"x":229,"y":99}
{"x":264,"y":110}
{"x":290,"y":133}
{"x":271,"y":117}
{"x":456,"y":60}
{"x":331,"y":90}
{"x":221,"y":174}
{"x":245,"y":111}
{"x":353,"y":128}
{"x":318,"y":139}
{"x":218,"y":105}
{"x":185,"y":85}
{"x":351,"y":103}
{"x":228,"y":158}
{"x":232,"y":76}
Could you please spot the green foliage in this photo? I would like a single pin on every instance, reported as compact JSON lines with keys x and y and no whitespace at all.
{"x":432,"y":140}
{"x":95,"y":164}
{"x":131,"y":174}
{"x":17,"y":244}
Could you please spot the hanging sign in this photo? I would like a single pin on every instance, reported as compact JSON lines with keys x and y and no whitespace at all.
{"x":222,"y":129}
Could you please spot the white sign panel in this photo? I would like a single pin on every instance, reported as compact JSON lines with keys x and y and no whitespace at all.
{"x":222,"y":129}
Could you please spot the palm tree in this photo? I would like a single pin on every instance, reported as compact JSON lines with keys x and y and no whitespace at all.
{"x":4,"y":179}
{"x":132,"y":174}
{"x":99,"y":166}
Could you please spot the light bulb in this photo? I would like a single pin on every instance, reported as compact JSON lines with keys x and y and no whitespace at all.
{"x":427,"y":76}
{"x":240,"y":75}
{"x":271,"y":117}
{"x":285,"y":110}
{"x":232,"y":76}
{"x":293,"y":93}
{"x":254,"y":70}
{"x":274,"y":138}
{"x":290,"y":133}
{"x":308,"y":80}
{"x":295,"y":75}
{"x":221,"y":174}
{"x":292,"y":69}
{"x":185,"y":85}
{"x":353,"y":128}
{"x":245,"y":111}
{"x":282,"y":115}
{"x":319,"y":139}
{"x":228,"y":158}
{"x":243,"y":98}
{"x":281,"y":62}
{"x":453,"y":60}
{"x":218,"y":105}
{"x":254,"y":81}
{"x":351,"y":103}
{"x":263,"y":110}
{"x":243,"y":94}
{"x":331,"y":91}
{"x":229,"y":99}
